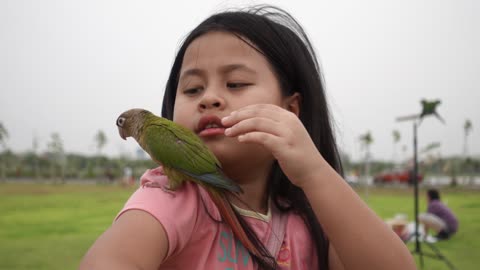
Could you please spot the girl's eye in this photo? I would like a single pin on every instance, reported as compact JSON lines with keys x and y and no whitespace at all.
{"x":191,"y":91}
{"x":237,"y":85}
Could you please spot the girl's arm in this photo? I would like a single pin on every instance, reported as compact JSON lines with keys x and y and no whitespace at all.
{"x":362,"y":240}
{"x":136,"y":240}
{"x":334,"y":262}
{"x":359,"y":237}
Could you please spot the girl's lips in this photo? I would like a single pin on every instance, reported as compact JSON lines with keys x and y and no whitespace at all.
{"x":212,"y":132}
{"x":210,"y":125}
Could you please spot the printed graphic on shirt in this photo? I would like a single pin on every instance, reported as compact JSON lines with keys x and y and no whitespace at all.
{"x":284,"y":255}
{"x":232,"y":250}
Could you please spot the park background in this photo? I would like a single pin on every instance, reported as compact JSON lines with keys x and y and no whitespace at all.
{"x":68,"y":68}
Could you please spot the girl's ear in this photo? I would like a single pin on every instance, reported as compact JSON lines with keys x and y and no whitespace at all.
{"x":292,"y":103}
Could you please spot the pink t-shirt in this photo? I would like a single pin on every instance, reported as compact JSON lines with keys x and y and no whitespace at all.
{"x":197,"y":241}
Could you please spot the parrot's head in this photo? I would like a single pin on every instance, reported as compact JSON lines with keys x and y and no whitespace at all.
{"x":130,"y":123}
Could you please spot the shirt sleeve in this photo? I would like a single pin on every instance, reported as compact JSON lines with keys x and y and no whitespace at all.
{"x":177,"y":211}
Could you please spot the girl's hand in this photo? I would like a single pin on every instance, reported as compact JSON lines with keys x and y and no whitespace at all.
{"x":282,"y":133}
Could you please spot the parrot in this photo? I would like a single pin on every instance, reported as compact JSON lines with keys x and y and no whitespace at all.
{"x":184,"y":157}
{"x":429,"y":107}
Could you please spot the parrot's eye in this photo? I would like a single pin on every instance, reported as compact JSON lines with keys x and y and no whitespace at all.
{"x":120,"y":121}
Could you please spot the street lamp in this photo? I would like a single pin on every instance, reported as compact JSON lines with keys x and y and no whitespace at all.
{"x":428,"y":108}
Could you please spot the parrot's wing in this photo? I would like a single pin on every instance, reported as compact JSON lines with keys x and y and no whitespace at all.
{"x":173,"y":149}
{"x":217,"y":180}
{"x":179,"y":148}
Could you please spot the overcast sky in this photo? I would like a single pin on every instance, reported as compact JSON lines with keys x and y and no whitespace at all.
{"x":73,"y":66}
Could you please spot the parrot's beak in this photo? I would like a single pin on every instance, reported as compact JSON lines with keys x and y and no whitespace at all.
{"x":122,"y":132}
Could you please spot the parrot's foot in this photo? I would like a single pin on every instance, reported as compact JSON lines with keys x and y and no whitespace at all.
{"x":153,"y":185}
{"x":165,"y":188}
{"x":168,"y":190}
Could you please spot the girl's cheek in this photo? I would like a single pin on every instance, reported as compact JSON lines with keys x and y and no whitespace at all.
{"x":178,"y":108}
{"x":182,"y":117}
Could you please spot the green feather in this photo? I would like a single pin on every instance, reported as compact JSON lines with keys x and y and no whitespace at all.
{"x":178,"y":148}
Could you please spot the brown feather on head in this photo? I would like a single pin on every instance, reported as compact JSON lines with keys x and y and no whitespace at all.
{"x":130,"y":122}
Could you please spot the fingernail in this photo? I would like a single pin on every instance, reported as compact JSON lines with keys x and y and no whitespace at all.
{"x":228,"y":131}
{"x":225,"y":119}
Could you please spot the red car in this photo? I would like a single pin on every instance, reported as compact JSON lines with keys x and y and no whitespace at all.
{"x":396,"y":175}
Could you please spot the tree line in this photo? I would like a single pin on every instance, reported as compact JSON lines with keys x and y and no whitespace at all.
{"x":56,"y":164}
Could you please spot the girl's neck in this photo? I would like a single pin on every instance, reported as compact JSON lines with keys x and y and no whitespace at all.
{"x":254,"y":186}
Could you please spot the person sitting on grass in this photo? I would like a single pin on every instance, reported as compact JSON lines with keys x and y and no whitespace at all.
{"x":439,"y":217}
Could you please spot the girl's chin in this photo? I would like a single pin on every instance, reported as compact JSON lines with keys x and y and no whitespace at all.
{"x":235,"y":154}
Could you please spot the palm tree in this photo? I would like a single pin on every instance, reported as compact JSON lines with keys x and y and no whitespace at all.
{"x":396,"y":138}
{"x":467,"y":128}
{"x":3,"y":138}
{"x":404,"y":153}
{"x":366,"y":140}
{"x":34,"y":150}
{"x":3,"y":135}
{"x":55,"y":147}
{"x":100,"y":140}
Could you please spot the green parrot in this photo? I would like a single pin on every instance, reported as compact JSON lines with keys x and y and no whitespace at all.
{"x":184,"y":157}
{"x":180,"y":151}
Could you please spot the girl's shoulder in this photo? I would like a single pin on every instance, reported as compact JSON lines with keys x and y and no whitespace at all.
{"x":154,"y":195}
{"x":180,"y":212}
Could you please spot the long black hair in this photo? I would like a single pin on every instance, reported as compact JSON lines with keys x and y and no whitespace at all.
{"x":283,"y":42}
{"x":433,"y":194}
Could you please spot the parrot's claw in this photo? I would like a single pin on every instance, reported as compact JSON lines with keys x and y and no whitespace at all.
{"x":153,"y":185}
{"x":165,"y":188}
{"x":162,"y":187}
{"x":168,"y":190}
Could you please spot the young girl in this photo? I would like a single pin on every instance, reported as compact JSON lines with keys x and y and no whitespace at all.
{"x":438,"y":217}
{"x":248,"y":83}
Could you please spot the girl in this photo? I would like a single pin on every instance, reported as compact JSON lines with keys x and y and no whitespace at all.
{"x":438,"y":217}
{"x":248,"y":83}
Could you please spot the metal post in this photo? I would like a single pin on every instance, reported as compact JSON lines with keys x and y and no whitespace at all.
{"x":417,"y":250}
{"x":415,"y":188}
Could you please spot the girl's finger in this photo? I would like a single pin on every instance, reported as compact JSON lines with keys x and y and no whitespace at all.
{"x":259,"y":110}
{"x":261,"y":106}
{"x":270,"y":141}
{"x":255,"y":124}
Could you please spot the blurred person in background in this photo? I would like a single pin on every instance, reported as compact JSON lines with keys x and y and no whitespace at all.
{"x":438,"y":217}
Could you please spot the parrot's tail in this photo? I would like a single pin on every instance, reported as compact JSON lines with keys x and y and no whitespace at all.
{"x":229,"y":215}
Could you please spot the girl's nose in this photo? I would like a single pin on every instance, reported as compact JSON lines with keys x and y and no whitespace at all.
{"x":211,"y":101}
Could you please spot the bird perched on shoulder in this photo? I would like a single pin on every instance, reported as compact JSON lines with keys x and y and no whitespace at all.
{"x":184,"y":157}
{"x":180,"y":151}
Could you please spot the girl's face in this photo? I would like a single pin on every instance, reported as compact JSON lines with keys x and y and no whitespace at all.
{"x":221,"y":73}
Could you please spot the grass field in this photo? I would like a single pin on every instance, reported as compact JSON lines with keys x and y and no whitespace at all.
{"x":52,"y":226}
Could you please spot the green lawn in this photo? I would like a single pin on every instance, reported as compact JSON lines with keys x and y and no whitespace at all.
{"x":52,"y":226}
{"x":463,"y":248}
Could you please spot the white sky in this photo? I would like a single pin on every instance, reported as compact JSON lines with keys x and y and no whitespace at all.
{"x":72,"y":66}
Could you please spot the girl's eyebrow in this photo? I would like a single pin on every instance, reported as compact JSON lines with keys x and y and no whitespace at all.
{"x":192,"y":72}
{"x":232,"y":67}
{"x":223,"y":70}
